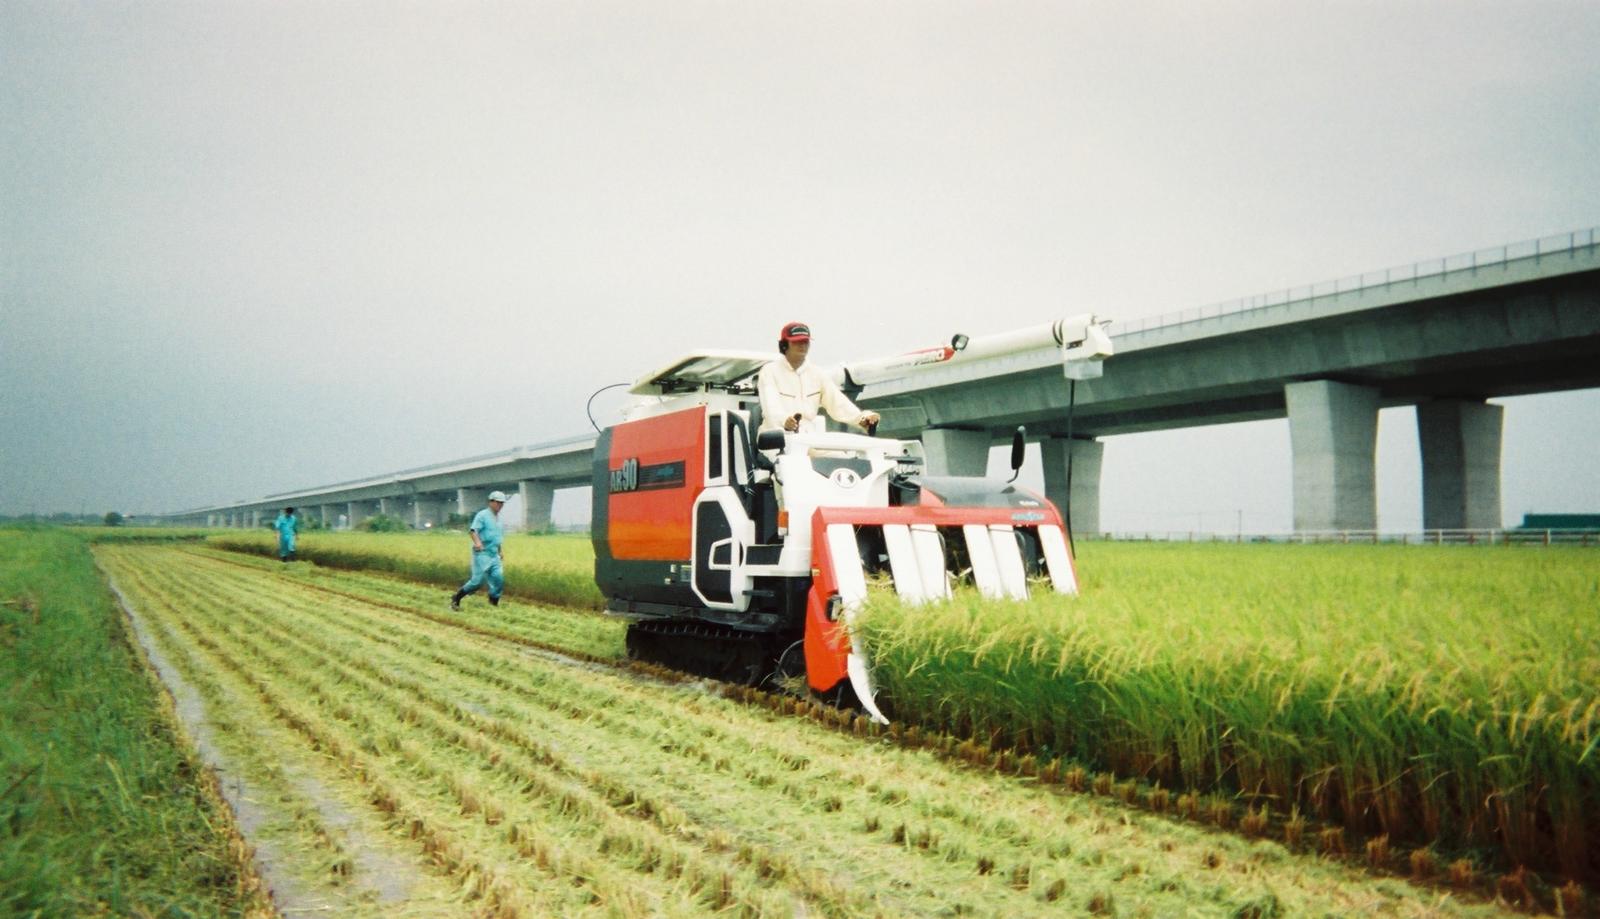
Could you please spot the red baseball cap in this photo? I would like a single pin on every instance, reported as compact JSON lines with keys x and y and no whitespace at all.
{"x":795,"y":331}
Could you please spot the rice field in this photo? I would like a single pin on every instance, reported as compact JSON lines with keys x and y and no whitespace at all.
{"x":413,"y":763}
{"x":1442,"y":697}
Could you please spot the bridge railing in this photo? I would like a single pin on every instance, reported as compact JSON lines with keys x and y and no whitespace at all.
{"x":1545,"y":246}
{"x":1511,"y":537}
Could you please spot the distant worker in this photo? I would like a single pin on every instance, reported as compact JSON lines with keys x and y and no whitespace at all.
{"x":792,"y":390}
{"x":488,"y":559}
{"x":286,"y":525}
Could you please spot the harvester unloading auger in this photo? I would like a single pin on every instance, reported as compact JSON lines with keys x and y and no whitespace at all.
{"x":741,"y":556}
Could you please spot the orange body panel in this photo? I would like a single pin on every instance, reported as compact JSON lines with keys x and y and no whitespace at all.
{"x":827,"y":644}
{"x":655,"y":524}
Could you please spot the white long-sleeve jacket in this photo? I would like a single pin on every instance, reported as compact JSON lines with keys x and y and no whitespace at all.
{"x":785,"y":391}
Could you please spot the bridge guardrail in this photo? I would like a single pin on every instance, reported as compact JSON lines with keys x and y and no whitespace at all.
{"x":1544,"y":246}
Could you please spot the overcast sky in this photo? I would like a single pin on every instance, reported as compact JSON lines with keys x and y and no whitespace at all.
{"x":249,"y":247}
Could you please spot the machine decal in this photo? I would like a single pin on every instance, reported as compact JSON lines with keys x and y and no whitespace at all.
{"x":633,"y":477}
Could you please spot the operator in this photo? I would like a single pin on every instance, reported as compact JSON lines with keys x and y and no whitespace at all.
{"x":286,"y":525}
{"x":488,"y":558}
{"x":792,"y":390}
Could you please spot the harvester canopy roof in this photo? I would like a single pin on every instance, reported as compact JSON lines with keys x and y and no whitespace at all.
{"x":703,"y":370}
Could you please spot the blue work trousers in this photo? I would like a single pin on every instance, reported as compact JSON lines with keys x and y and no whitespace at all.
{"x":486,"y":567}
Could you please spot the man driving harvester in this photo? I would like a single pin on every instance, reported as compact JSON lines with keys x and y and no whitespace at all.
{"x":792,"y":390}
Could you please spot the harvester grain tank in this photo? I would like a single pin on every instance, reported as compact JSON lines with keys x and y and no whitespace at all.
{"x":743,"y":555}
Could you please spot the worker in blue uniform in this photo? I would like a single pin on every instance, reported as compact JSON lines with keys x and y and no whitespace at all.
{"x":286,"y":525}
{"x":487,"y":556}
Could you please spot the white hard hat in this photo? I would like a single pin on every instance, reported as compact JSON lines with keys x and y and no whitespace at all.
{"x":497,"y":496}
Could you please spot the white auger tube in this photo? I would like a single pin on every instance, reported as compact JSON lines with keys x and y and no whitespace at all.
{"x":1082,"y":341}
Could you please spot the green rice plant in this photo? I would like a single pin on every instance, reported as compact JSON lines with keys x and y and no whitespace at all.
{"x":98,"y":535}
{"x":546,"y":568}
{"x":1437,"y":695}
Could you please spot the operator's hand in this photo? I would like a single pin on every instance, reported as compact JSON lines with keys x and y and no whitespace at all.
{"x":869,"y":420}
{"x":792,"y":424}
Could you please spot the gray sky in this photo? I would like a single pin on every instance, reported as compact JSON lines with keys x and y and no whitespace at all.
{"x":252,"y":247}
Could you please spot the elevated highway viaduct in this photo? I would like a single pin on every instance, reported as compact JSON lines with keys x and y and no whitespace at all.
{"x":1443,"y":336}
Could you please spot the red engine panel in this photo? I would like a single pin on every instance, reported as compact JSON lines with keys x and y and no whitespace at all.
{"x":658,"y":469}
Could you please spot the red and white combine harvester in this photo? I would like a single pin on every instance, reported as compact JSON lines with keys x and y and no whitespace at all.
{"x":741,"y":556}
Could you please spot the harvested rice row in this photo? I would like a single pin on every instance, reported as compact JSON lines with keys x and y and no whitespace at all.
{"x":492,"y":862}
{"x":823,"y":799}
{"x":327,"y":873}
{"x":519,"y":768}
{"x":848,"y":788}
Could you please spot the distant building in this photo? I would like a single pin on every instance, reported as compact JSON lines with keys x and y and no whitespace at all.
{"x":1561,"y":521}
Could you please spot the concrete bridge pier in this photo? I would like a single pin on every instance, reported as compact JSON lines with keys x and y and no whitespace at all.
{"x":952,"y":451}
{"x":398,"y":506}
{"x":1460,"y":441}
{"x":429,"y":510}
{"x":1333,"y":434}
{"x":255,"y":520}
{"x":359,"y":511}
{"x":329,"y":515}
{"x":1080,"y":503}
{"x":538,"y":497}
{"x":471,"y":500}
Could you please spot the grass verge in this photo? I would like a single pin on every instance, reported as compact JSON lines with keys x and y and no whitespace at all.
{"x":103,"y":811}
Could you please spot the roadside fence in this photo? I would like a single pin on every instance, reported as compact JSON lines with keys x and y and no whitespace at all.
{"x":1511,"y":537}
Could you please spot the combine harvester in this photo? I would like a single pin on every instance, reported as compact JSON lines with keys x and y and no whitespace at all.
{"x":744,"y":557}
